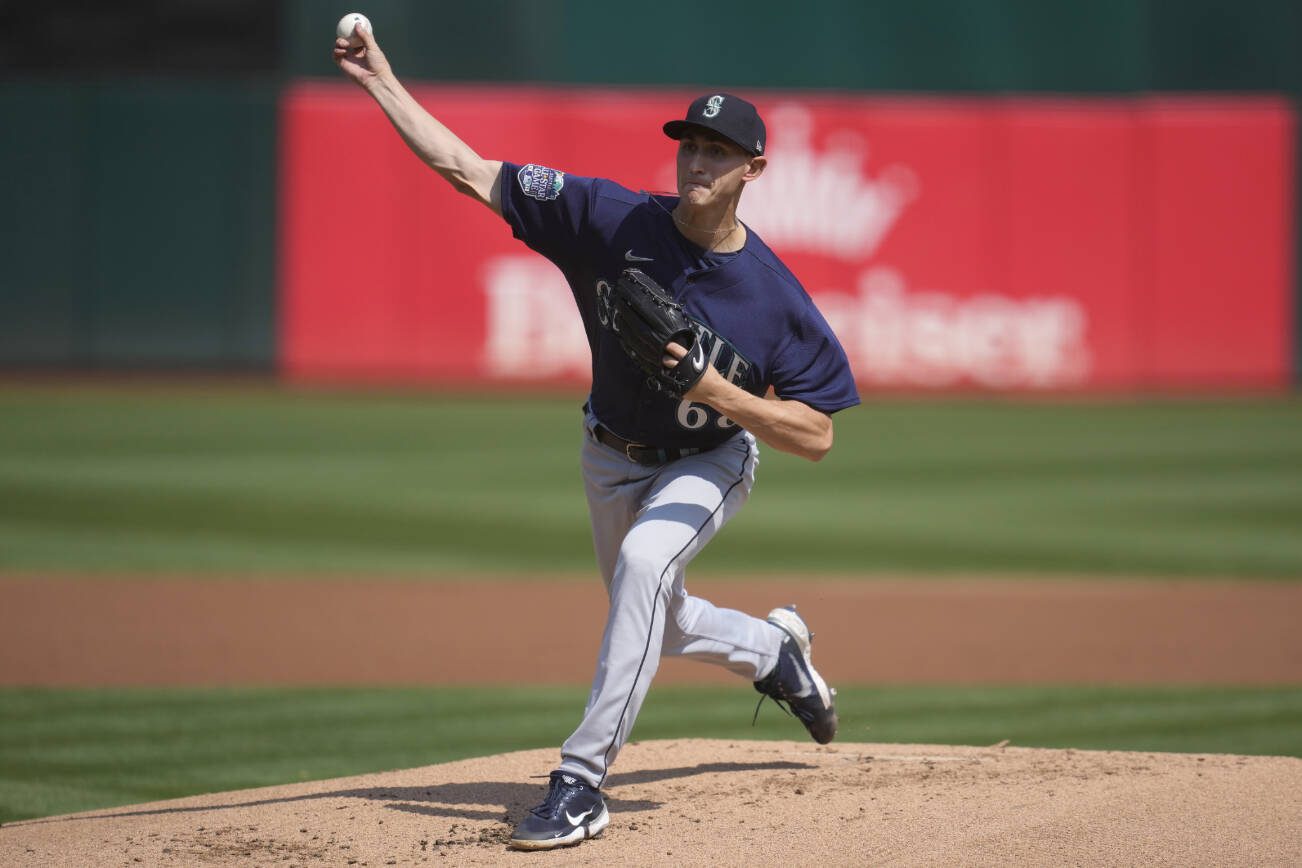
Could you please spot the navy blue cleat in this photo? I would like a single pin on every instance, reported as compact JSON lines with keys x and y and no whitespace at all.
{"x":794,"y":680}
{"x":572,"y":812}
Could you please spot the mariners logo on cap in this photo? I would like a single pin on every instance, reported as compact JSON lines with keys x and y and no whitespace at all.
{"x":712,"y":106}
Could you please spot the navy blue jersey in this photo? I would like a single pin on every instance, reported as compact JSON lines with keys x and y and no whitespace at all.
{"x":759,"y":326}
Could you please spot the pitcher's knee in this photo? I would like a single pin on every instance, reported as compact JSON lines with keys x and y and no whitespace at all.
{"x":641,"y":562}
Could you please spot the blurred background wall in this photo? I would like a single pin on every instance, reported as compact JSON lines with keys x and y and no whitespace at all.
{"x":140,"y":140}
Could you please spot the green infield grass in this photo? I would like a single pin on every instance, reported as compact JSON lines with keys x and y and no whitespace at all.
{"x":72,"y":750}
{"x":183,"y":480}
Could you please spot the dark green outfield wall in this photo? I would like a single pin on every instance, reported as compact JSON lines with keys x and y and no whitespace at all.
{"x":904,"y":45}
{"x":140,"y":227}
{"x":140,"y":230}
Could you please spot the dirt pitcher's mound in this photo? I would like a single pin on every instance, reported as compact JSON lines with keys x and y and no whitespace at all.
{"x":717,"y":802}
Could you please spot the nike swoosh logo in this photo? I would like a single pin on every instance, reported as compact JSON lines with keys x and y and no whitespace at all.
{"x":630,"y":257}
{"x":574,"y":821}
{"x":698,"y":356}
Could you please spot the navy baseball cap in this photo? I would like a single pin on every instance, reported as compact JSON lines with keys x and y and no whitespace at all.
{"x":729,"y":116}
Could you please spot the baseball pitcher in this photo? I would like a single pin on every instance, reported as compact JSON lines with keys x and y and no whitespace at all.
{"x":691,"y":321}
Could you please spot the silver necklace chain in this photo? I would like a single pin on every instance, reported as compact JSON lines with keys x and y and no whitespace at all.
{"x":736,"y":224}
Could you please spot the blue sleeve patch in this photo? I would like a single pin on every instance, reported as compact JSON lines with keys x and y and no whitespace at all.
{"x":540,"y":182}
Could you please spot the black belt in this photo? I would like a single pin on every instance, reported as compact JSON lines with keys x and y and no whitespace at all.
{"x":640,"y":453}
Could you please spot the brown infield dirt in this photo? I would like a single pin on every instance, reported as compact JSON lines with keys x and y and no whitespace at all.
{"x":686,"y":802}
{"x":731,"y":803}
{"x":178,"y":631}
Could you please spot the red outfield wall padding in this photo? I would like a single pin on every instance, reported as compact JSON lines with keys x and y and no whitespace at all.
{"x":1006,"y":244}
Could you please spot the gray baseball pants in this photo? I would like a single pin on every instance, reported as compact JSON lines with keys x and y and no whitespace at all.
{"x":647,"y":524}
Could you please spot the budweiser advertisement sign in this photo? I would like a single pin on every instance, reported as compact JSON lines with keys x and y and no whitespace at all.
{"x":953,"y":244}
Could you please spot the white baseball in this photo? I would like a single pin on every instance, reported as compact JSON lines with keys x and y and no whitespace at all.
{"x":346,"y":25}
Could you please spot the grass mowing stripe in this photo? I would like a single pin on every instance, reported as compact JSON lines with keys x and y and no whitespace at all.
{"x":260,"y":480}
{"x":69,"y":750}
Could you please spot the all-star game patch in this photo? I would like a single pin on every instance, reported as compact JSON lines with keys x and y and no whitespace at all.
{"x":540,"y":182}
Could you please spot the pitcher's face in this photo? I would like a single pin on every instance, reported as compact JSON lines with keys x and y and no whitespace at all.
{"x":712,"y":169}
